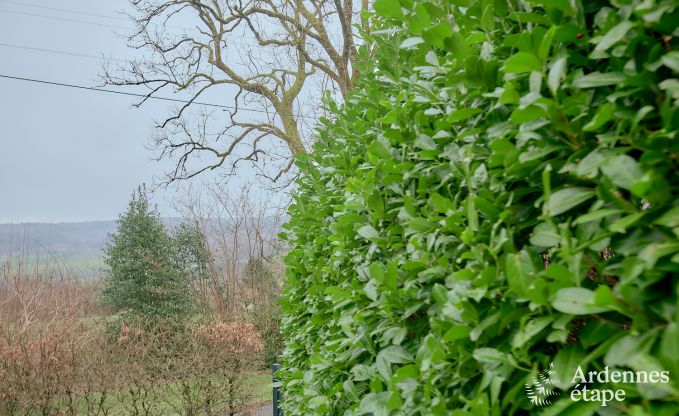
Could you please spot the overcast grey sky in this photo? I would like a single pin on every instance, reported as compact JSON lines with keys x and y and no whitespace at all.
{"x":68,"y":154}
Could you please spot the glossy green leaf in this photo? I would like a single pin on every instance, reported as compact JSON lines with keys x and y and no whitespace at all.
{"x":530,"y":330}
{"x":545,"y":235}
{"x":565,"y":199}
{"x":597,"y":79}
{"x":411,"y":42}
{"x":622,"y":170}
{"x":367,"y":232}
{"x":614,"y":35}
{"x":522,"y":62}
{"x":556,"y":74}
{"x":602,"y":116}
{"x":577,"y":301}
{"x":520,"y":272}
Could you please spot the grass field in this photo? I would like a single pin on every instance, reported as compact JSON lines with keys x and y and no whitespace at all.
{"x":170,"y":401}
{"x":84,"y":264}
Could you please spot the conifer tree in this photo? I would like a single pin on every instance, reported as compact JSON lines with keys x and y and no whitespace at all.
{"x":145,"y":275}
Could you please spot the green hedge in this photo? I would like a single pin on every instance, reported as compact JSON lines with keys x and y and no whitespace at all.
{"x":498,"y":193}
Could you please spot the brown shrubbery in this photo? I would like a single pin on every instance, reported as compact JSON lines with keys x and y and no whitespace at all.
{"x":59,"y":355}
{"x":62,"y":353}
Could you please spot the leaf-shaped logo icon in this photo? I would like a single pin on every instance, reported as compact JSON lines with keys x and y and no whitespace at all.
{"x":540,"y":388}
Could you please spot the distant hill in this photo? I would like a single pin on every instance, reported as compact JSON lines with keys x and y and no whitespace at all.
{"x":76,"y":245}
{"x":30,"y":238}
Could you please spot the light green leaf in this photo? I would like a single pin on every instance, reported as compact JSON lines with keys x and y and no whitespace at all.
{"x":370,"y":289}
{"x":456,"y":332}
{"x":654,"y":252}
{"x":669,"y":219}
{"x":520,"y":272}
{"x":375,"y":403}
{"x":669,"y":347}
{"x":588,"y":167}
{"x":431,"y":58}
{"x":395,"y":355}
{"x":531,"y":329}
{"x":565,"y":199}
{"x":391,"y":355}
{"x":577,"y":301}
{"x":463,"y":114}
{"x":623,"y":351}
{"x":546,"y":43}
{"x":598,"y":79}
{"x":431,"y":352}
{"x":526,"y":115}
{"x":566,"y":363}
{"x":376,"y":271}
{"x":487,"y":18}
{"x":367,"y":232}
{"x":621,"y":224}
{"x":472,"y":213}
{"x":437,"y":34}
{"x":522,"y":62}
{"x":389,"y":9}
{"x":614,"y":35}
{"x":545,"y":235}
{"x":411,"y":42}
{"x":556,"y":73}
{"x":593,"y":216}
{"x":380,"y":149}
{"x":603,"y":296}
{"x":671,"y":60}
{"x":602,"y":116}
{"x":440,"y":203}
{"x":622,"y":170}
{"x":559,"y":272}
{"x":492,"y":356}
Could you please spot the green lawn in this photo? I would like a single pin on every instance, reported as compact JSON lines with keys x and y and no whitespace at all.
{"x":165,"y":401}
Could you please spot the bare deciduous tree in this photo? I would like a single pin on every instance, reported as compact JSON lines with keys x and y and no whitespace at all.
{"x":265,"y":53}
{"x":240,"y":228}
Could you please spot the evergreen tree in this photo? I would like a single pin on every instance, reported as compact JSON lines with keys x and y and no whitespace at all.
{"x":145,"y":274}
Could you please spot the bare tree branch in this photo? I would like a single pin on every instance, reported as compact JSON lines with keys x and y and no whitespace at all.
{"x":262,"y":54}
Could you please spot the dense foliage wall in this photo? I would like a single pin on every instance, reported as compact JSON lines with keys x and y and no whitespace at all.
{"x":498,"y":193}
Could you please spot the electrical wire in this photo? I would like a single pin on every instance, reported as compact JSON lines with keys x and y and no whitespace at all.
{"x":82,"y":87}
{"x":56,"y":9}
{"x":67,"y":19}
{"x":79,"y":55}
{"x":127,"y":20}
{"x":36,"y":6}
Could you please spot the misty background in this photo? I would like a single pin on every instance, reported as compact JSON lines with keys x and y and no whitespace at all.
{"x":71,"y":158}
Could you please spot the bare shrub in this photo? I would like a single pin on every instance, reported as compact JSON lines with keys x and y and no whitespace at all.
{"x":59,"y":356}
{"x":43,"y":337}
{"x":245,"y":272}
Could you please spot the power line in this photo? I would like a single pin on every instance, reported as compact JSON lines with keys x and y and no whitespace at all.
{"x":18,"y":3}
{"x":66,"y":19}
{"x":89,"y":22}
{"x":79,"y":55}
{"x":82,"y":87}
